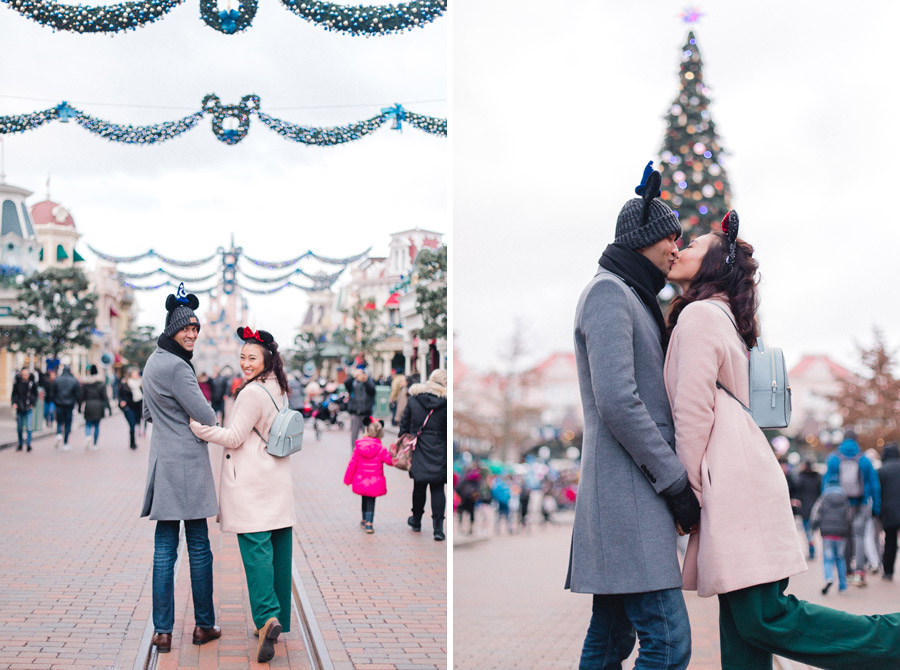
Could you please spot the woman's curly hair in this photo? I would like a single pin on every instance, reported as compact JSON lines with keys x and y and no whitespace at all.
{"x":738,"y":284}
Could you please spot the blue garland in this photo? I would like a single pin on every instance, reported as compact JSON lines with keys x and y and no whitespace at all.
{"x":150,"y":254}
{"x":314,"y":288}
{"x":228,"y":280}
{"x":340,"y":261}
{"x":137,"y":134}
{"x":318,"y":277}
{"x":144,"y":275}
{"x":366,"y":20}
{"x":318,"y":286}
{"x":213,"y":107}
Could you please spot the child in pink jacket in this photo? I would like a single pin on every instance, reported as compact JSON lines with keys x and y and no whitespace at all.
{"x":366,"y":469}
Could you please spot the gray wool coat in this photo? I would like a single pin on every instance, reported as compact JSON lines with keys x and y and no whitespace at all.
{"x":179,"y":476}
{"x":623,"y":540}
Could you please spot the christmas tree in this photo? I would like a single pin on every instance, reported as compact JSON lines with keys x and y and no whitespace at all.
{"x":694,"y":182}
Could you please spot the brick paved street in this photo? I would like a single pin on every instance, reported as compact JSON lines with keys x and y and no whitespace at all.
{"x":383,"y":596}
{"x":75,"y":566}
{"x":510,"y":608}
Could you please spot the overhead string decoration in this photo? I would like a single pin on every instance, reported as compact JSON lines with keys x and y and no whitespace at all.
{"x":230,"y":269}
{"x":230,"y":124}
{"x":356,"y":20}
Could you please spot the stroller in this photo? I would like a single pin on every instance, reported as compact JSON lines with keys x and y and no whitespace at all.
{"x":326,"y":414}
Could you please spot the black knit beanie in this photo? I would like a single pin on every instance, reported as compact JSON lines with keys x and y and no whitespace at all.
{"x":646,"y":220}
{"x":180,"y":308}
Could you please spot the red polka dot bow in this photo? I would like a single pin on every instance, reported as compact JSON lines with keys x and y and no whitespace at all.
{"x":251,"y":334}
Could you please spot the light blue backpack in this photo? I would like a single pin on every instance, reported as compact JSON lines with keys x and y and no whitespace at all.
{"x":770,"y":392}
{"x":286,"y":433}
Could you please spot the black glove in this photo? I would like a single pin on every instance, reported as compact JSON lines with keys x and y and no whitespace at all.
{"x":685,"y":508}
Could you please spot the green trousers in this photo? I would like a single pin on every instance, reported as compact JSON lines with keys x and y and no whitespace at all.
{"x":759,"y":621}
{"x":267,"y":562}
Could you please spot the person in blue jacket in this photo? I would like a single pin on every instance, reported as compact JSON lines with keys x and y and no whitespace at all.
{"x":859,"y":481}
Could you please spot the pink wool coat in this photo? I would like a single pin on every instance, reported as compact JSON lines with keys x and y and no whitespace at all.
{"x":366,"y":468}
{"x":747,"y":531}
{"x":256,"y":489}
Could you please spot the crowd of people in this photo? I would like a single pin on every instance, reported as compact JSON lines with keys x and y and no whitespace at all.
{"x":856,"y":510}
{"x":488,"y":502}
{"x":255,"y":499}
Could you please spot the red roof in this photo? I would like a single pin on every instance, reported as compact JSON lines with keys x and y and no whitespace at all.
{"x":48,"y":211}
{"x":568,"y":357}
{"x":839,"y":371}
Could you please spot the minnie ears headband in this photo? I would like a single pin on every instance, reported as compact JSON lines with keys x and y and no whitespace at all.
{"x":255,"y":336}
{"x":730,"y":226}
{"x":181,"y":298}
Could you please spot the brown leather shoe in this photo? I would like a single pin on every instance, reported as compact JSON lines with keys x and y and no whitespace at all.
{"x":162,"y":642}
{"x":268,"y":635}
{"x":204,"y":635}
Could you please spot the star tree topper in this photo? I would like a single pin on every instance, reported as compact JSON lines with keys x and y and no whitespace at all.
{"x":691,"y":15}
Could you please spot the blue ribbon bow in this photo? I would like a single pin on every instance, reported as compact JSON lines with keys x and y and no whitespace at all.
{"x":397,"y":112}
{"x":229,"y":20}
{"x":65,"y":112}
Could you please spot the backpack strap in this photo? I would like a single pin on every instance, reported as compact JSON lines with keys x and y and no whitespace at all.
{"x":720,"y":386}
{"x":725,"y":312}
{"x":718,"y":383}
{"x":263,"y":387}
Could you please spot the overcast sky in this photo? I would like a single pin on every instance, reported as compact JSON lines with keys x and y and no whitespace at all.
{"x":185,"y":197}
{"x":556,"y":111}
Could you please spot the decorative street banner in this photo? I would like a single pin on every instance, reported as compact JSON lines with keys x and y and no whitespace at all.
{"x":365,"y":20}
{"x":230,"y":124}
{"x":228,"y":271}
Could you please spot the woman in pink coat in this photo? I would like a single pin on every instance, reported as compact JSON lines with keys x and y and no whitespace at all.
{"x":365,"y":472}
{"x":256,"y":490}
{"x":747,"y":544}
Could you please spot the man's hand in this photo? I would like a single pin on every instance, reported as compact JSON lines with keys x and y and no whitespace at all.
{"x":685,"y":509}
{"x":15,"y":407}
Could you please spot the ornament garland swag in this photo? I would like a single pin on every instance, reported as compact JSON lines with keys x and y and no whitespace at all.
{"x":230,"y":124}
{"x":357,"y":20}
{"x":229,"y":270}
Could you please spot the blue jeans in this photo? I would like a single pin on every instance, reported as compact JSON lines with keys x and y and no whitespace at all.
{"x":833,"y":557}
{"x":64,"y":421}
{"x":49,"y":411}
{"x":807,"y":528}
{"x":23,"y":423}
{"x":131,"y":417}
{"x":92,"y":425}
{"x":165,"y":553}
{"x":658,"y":618}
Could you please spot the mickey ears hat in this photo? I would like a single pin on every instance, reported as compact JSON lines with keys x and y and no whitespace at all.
{"x":645,"y":220}
{"x":189,"y":300}
{"x":180,"y":308}
{"x":262,"y":337}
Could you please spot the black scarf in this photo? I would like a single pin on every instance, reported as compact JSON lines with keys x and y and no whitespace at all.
{"x":643,"y":276}
{"x":168,"y":344}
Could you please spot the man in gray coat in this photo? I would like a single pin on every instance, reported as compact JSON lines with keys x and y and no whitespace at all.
{"x":179,"y":476}
{"x":633,"y":489}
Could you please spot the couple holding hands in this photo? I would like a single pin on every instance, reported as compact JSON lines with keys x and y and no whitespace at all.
{"x":180,"y":483}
